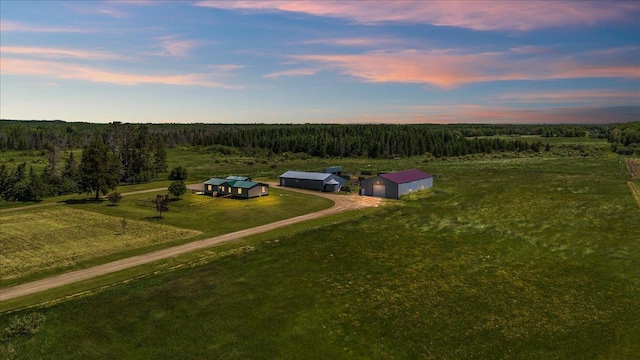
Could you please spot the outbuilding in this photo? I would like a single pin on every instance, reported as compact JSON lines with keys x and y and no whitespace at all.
{"x":335,"y":170}
{"x":312,"y":181}
{"x":395,"y":184}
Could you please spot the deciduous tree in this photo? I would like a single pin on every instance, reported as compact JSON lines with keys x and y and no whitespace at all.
{"x":177,"y":188}
{"x":162,"y":204}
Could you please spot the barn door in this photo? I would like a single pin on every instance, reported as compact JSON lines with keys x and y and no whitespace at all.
{"x":379,"y":190}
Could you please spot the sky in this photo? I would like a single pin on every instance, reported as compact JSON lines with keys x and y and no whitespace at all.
{"x":320,"y":61}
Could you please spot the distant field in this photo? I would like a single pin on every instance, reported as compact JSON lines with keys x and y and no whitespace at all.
{"x":61,"y":237}
{"x":531,"y":258}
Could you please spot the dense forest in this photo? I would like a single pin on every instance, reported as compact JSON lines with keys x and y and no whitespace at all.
{"x":372,"y":141}
{"x":135,"y":153}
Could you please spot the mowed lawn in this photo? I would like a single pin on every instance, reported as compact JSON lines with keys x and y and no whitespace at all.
{"x":61,"y":237}
{"x":502,"y":259}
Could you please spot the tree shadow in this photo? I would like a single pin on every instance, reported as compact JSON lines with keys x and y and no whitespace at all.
{"x":75,"y":201}
{"x":154,"y":218}
{"x":83,"y":201}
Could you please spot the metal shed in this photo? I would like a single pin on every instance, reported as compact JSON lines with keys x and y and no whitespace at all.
{"x":335,"y":170}
{"x":393,"y":185}
{"x":312,"y":181}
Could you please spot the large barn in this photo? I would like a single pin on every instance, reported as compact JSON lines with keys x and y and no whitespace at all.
{"x":393,"y":185}
{"x":312,"y":181}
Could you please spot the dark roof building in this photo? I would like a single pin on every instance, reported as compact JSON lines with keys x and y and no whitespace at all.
{"x":235,"y":186}
{"x":244,"y":189}
{"x":335,"y":170}
{"x":312,"y":181}
{"x":393,"y":185}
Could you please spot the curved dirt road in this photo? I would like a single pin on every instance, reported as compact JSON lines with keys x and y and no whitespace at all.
{"x":342,"y":203}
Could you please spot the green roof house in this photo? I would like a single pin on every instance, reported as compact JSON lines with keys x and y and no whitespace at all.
{"x":235,"y":186}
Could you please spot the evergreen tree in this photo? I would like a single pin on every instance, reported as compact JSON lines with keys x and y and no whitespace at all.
{"x":99,"y":169}
{"x":159,"y":159}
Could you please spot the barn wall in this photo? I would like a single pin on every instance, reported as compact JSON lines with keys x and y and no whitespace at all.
{"x":303,"y":183}
{"x":414,"y":186}
{"x":256,"y":191}
{"x":391,"y":189}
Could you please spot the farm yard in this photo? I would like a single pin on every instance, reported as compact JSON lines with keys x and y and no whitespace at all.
{"x":503,"y":258}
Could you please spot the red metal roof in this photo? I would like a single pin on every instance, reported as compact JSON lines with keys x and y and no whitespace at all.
{"x":406,"y":176}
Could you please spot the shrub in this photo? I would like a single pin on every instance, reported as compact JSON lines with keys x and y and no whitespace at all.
{"x":114,"y":197}
{"x":178,"y":173}
{"x":24,"y":325}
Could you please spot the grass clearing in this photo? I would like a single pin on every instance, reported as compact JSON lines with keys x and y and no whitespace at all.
{"x":515,"y":258}
{"x":62,"y":237}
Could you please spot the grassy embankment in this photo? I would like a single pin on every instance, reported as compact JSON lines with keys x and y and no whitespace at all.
{"x":515,"y":258}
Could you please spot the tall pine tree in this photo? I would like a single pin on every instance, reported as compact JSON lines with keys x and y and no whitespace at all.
{"x":100,"y":169}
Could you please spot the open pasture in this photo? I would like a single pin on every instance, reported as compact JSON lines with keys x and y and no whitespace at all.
{"x":62,"y":237}
{"x":517,"y":258}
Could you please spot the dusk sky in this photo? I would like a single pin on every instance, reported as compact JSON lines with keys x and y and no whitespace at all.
{"x":320,"y":61}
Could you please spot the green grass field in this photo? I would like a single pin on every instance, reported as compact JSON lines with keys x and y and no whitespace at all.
{"x":65,"y":237}
{"x":61,"y":237}
{"x":533,"y":258}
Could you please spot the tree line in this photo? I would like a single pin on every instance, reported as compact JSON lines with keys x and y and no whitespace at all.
{"x":123,"y":153}
{"x":372,"y":141}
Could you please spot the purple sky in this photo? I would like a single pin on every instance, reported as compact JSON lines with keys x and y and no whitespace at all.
{"x":321,"y":61}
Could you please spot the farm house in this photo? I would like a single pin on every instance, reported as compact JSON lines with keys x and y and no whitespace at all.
{"x":212,"y":185}
{"x":393,"y":185}
{"x":235,"y":186}
{"x":312,"y":181}
{"x":243,"y":189}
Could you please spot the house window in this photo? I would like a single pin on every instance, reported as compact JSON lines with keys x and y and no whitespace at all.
{"x":264,"y":189}
{"x":209,"y":187}
{"x":239,"y":191}
{"x":222,"y":188}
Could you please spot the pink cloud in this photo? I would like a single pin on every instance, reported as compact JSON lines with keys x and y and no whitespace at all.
{"x":575,"y":96}
{"x":450,"y":68}
{"x":292,"y":72}
{"x":7,"y":26}
{"x":61,"y":53}
{"x":476,"y":15}
{"x":482,"y":114}
{"x":175,"y":47}
{"x":9,"y":66}
{"x":353,"y":42}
